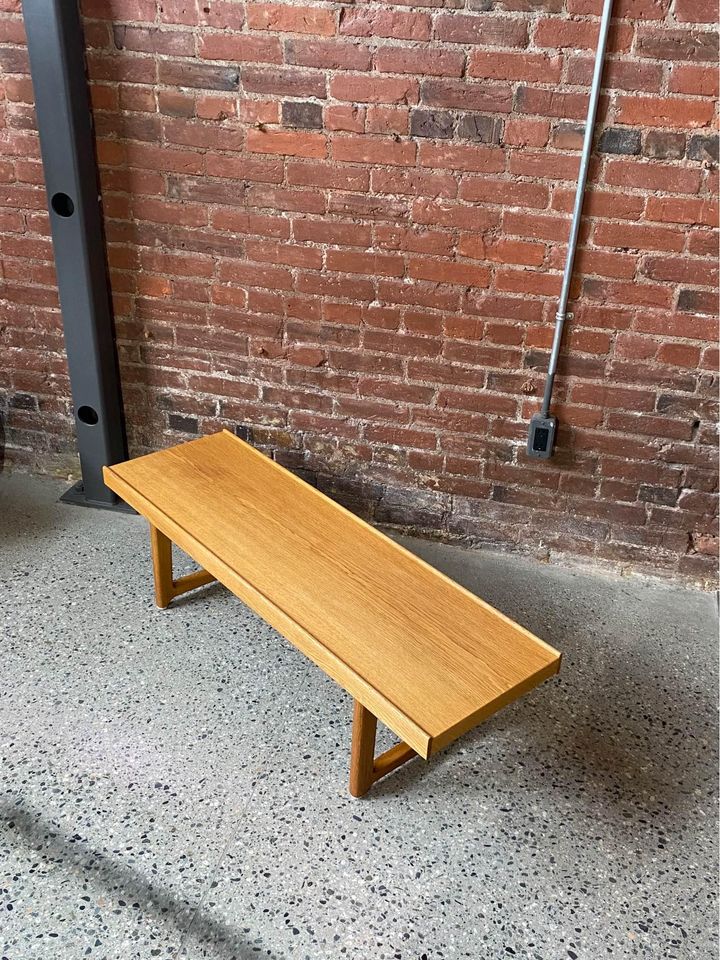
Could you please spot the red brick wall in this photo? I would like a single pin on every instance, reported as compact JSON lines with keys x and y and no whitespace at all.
{"x":339,"y":229}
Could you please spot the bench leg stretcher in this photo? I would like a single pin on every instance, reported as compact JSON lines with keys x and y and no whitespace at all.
{"x":166,"y":589}
{"x":365,"y":768}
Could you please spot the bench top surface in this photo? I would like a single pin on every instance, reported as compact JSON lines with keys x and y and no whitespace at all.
{"x":429,"y":658}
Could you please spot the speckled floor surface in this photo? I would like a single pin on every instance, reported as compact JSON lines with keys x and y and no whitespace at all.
{"x":173,"y":784}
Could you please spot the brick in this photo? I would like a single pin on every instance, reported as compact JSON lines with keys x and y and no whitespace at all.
{"x":568,"y":136}
{"x":682,"y":270}
{"x":423,"y":62}
{"x":486,"y":30}
{"x":327,"y":231}
{"x":679,"y":354}
{"x":634,"y":9}
{"x":540,"y":227}
{"x":286,"y":143}
{"x":681,"y":44}
{"x":358,"y":22}
{"x":703,"y":243}
{"x":486,"y":129}
{"x":153,"y":40}
{"x":695,"y":11}
{"x":413,"y":183}
{"x":652,"y":176}
{"x":326,"y":175}
{"x":240,"y":48}
{"x":476,"y":159}
{"x":467,"y":96}
{"x":370,"y":264}
{"x":689,"y":210}
{"x":283,"y":81}
{"x":527,"y":133}
{"x":561,"y":33}
{"x":697,"y":301}
{"x":613,"y":205}
{"x":551,"y":103}
{"x":503,"y":251}
{"x":694,"y":80}
{"x":350,"y":118}
{"x":279,"y":198}
{"x":182,"y":424}
{"x":223,"y":14}
{"x":123,"y":9}
{"x":437,"y":124}
{"x":387,"y":120}
{"x":550,"y":166}
{"x":637,"y":236}
{"x":373,"y":150}
{"x":506,"y":193}
{"x":662,"y":145}
{"x":703,"y":147}
{"x":328,"y":54}
{"x":526,"y":67}
{"x":367,"y":208}
{"x":285,"y":18}
{"x":211,"y":107}
{"x":664,"y":111}
{"x":182,"y":73}
{"x":302,"y":114}
{"x":416,"y":240}
{"x":160,"y":211}
{"x":363,"y":89}
{"x":620,"y":140}
{"x":621,"y":74}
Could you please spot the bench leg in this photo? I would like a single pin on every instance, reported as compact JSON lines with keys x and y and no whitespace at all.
{"x":365,"y":768}
{"x":166,"y":589}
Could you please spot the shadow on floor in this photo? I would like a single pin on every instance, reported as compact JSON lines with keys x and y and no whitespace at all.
{"x":76,"y":855}
{"x":612,"y":730}
{"x":619,"y":738}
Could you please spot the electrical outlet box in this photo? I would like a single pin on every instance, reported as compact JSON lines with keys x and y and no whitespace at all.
{"x":541,"y":437}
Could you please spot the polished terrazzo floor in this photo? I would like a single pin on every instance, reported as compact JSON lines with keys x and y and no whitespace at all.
{"x":173,"y":783}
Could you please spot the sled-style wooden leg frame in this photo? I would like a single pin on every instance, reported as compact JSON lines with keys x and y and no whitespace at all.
{"x":365,"y":768}
{"x":166,"y":589}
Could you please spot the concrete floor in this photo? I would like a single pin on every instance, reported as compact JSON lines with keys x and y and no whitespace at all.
{"x":173,"y":784}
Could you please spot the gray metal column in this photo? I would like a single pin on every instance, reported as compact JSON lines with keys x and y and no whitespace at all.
{"x":57,"y":63}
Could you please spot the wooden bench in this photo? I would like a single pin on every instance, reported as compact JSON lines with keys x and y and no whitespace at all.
{"x":413,"y":648}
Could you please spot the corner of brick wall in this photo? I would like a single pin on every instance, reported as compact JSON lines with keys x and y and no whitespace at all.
{"x":339,"y":228}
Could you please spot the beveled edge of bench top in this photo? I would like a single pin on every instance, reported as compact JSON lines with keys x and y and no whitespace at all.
{"x":328,"y":660}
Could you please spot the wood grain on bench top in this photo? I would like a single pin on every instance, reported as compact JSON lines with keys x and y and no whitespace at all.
{"x":426,"y":656}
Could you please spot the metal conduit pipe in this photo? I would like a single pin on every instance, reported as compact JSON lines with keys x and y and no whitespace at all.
{"x":541,"y":437}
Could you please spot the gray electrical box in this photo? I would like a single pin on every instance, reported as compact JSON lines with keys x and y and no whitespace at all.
{"x":541,"y":437}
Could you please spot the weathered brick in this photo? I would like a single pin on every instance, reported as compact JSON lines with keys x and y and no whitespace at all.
{"x":359,"y":22}
{"x":662,"y":145}
{"x":620,"y":140}
{"x":676,"y":44}
{"x":703,"y":147}
{"x":473,"y":126}
{"x":302,"y":114}
{"x":182,"y":424}
{"x":488,"y":31}
{"x":286,"y":18}
{"x":437,"y":124}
